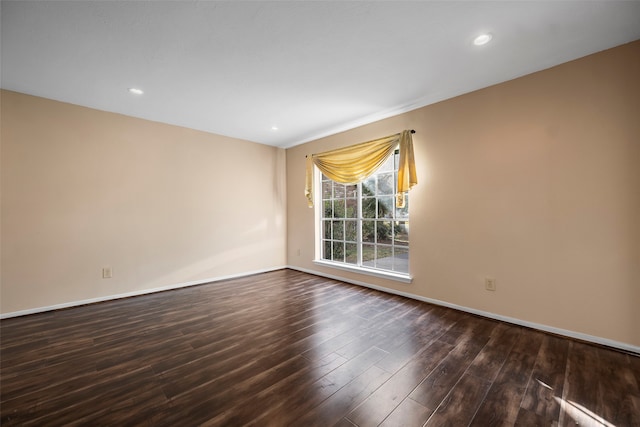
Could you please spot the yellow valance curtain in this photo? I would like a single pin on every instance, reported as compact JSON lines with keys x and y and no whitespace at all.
{"x":352,"y":164}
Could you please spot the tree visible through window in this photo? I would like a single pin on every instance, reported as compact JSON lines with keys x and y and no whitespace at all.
{"x":361,"y":225}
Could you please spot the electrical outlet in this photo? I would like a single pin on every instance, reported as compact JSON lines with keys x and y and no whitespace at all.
{"x":490,"y":284}
{"x":298,"y":252}
{"x":107,"y":273}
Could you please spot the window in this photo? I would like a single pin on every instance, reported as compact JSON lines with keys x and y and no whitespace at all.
{"x":360,"y":225}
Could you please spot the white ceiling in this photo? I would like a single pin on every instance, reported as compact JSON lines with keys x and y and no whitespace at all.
{"x":238,"y":68}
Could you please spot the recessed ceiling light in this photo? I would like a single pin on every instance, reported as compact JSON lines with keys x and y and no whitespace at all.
{"x":274,"y":127}
{"x":136,"y":91}
{"x":482,"y":39}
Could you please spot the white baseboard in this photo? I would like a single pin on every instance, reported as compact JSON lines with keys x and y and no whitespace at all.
{"x":533,"y":325}
{"x":135,"y":293}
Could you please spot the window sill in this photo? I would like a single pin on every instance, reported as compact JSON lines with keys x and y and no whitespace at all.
{"x":398,"y":277}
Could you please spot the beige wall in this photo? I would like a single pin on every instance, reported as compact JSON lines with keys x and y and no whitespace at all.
{"x":161,"y":205}
{"x":535,"y":182}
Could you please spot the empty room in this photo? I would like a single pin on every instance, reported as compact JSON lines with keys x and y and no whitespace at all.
{"x":320,"y":213}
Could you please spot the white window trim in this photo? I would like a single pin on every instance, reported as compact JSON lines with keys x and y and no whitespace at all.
{"x":317,"y":196}
{"x":398,"y":277}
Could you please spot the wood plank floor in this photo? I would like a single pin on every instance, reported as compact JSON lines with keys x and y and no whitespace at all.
{"x":290,"y":349}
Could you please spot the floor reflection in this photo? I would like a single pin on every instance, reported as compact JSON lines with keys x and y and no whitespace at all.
{"x":581,"y":415}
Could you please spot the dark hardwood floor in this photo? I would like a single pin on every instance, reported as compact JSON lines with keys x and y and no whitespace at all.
{"x":291,"y":349}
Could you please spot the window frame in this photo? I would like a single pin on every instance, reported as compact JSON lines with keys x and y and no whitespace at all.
{"x":404,"y":277}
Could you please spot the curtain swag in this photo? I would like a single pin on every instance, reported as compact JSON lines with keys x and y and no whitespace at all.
{"x":352,"y":164}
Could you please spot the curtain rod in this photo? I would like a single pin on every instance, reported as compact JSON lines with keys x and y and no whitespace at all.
{"x":412,"y":131}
